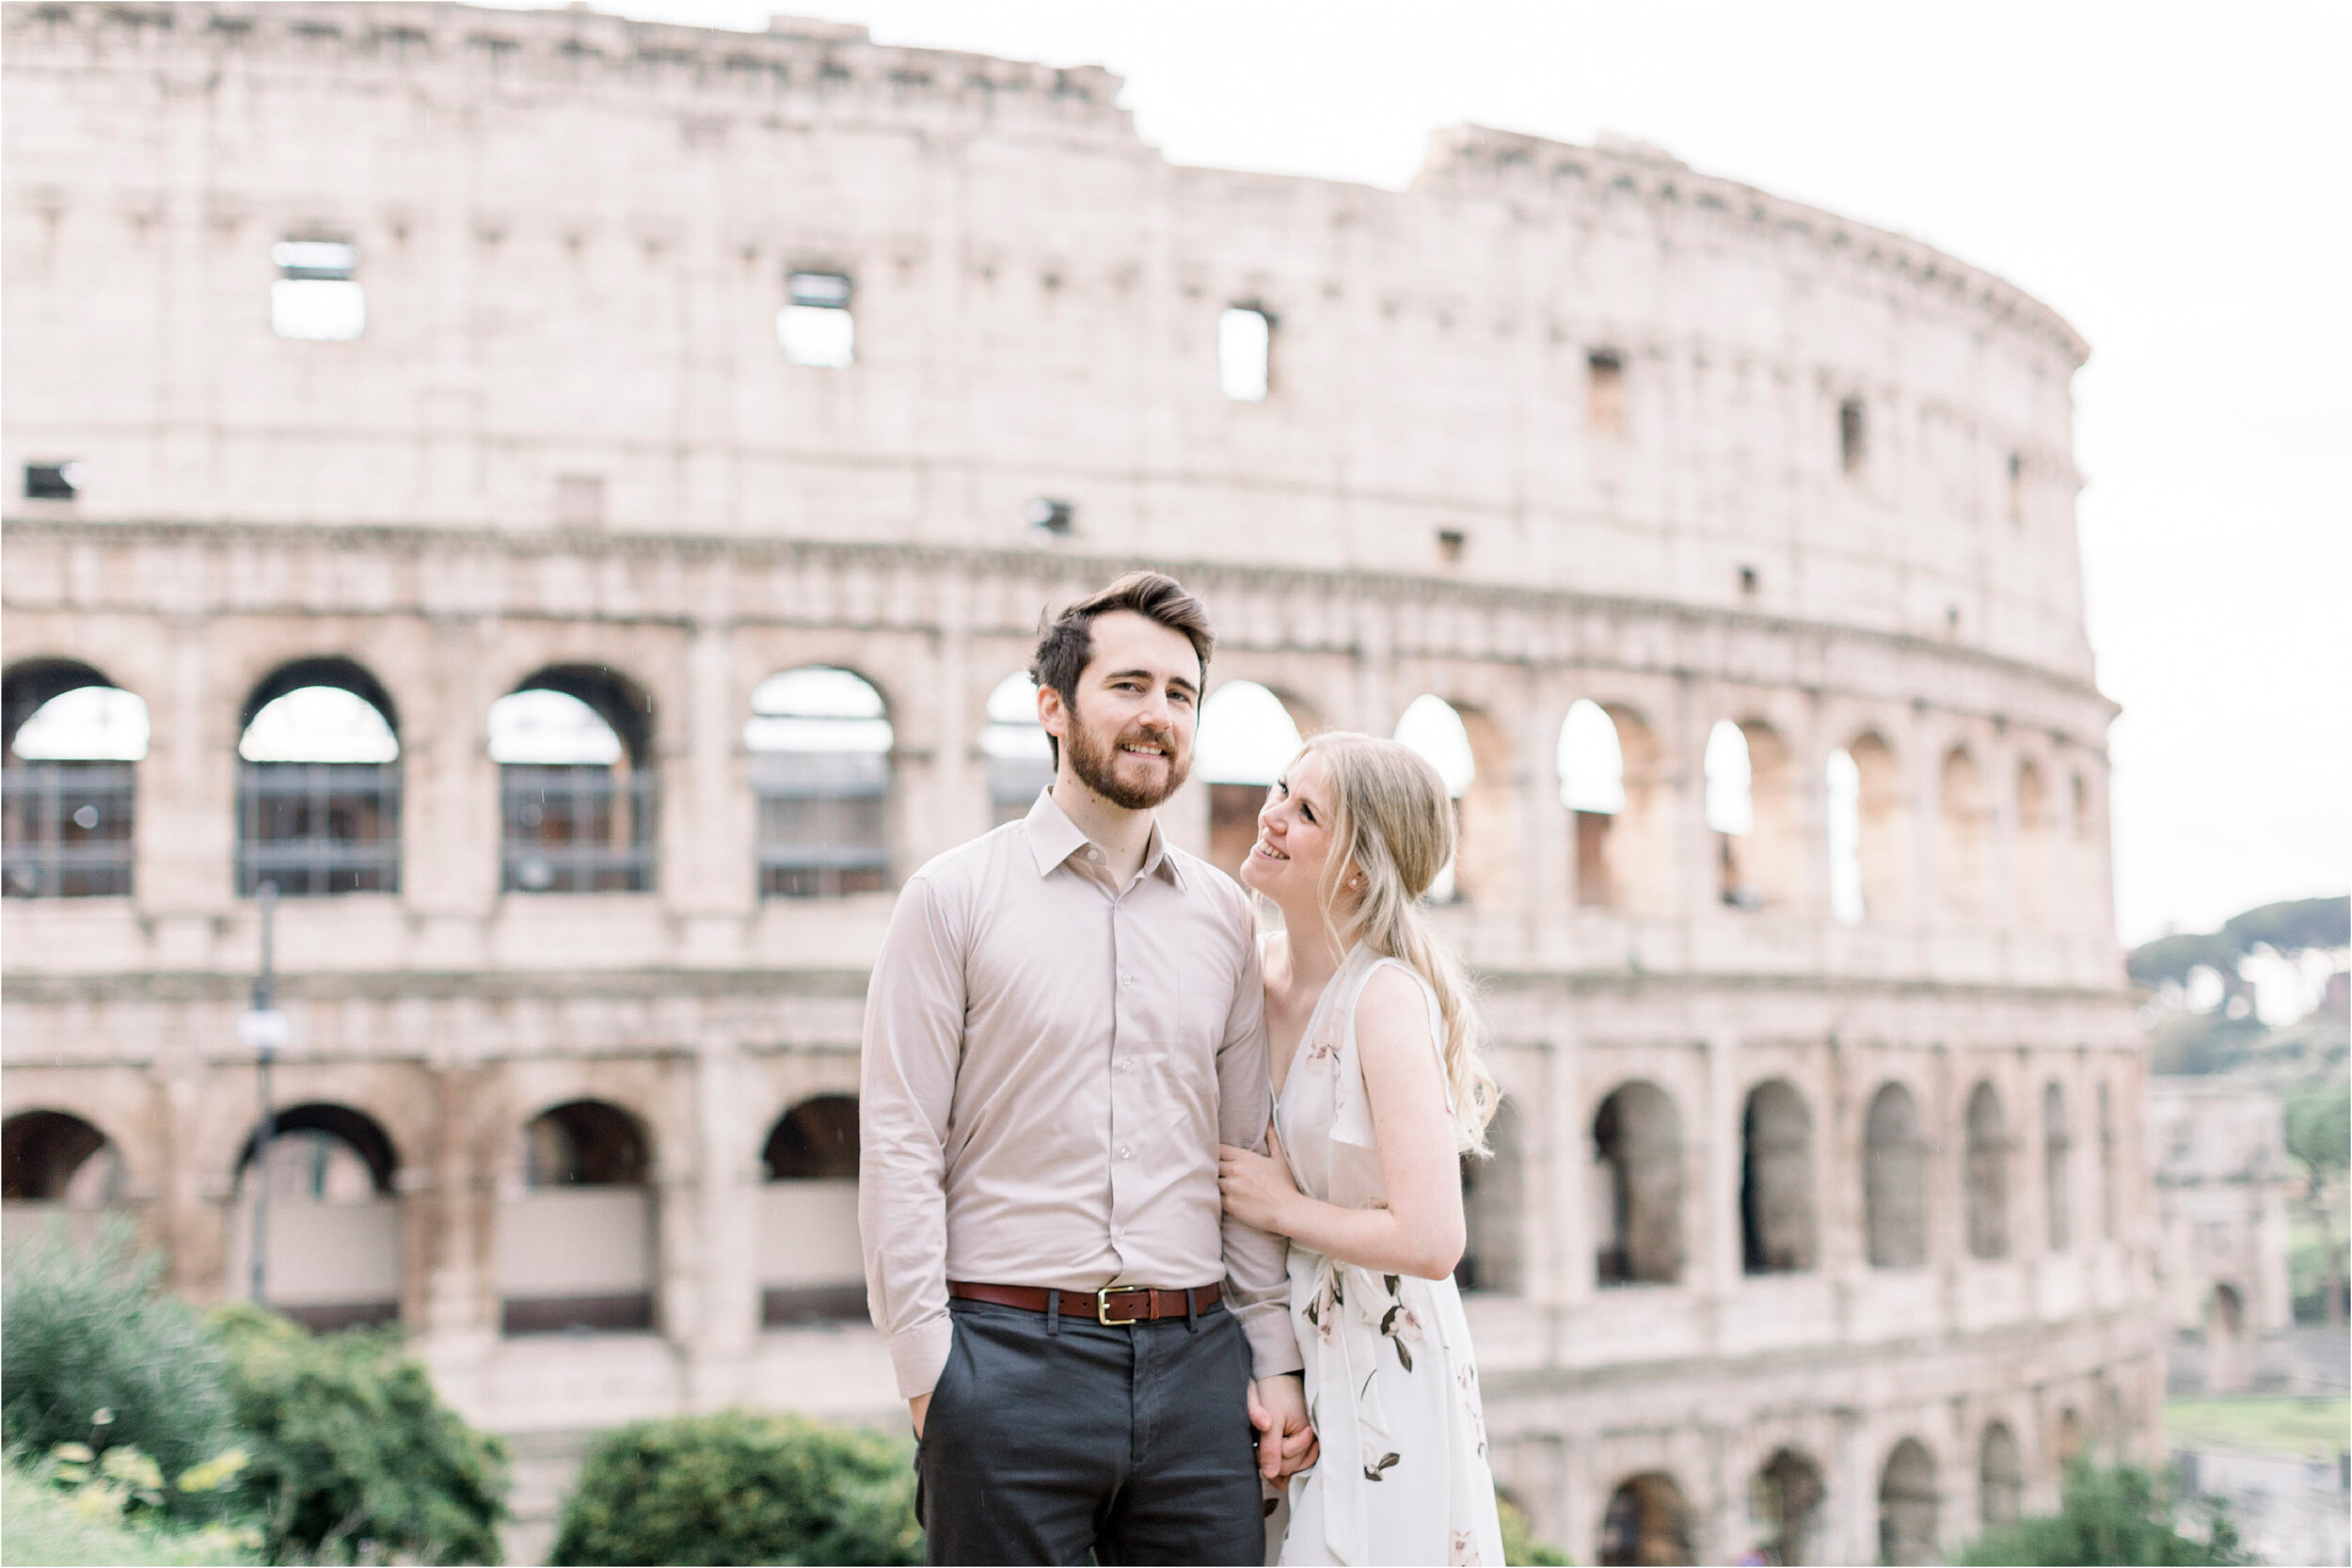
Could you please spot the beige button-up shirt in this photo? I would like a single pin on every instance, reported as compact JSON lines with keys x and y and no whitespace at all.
{"x":1050,"y":1064}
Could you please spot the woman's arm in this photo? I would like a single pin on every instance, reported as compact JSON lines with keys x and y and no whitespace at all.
{"x":1420,"y":1231}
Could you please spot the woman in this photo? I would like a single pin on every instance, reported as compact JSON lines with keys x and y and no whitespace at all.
{"x":1379,"y":1092}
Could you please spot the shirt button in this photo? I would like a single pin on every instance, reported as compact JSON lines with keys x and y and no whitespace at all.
{"x":1124,"y":1064}
{"x":1126,"y":979}
{"x":1124,"y":1151}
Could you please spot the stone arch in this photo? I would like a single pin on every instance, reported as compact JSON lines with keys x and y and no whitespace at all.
{"x":1908,"y":1503}
{"x":2226,"y":1359}
{"x":1637,"y":1187}
{"x":579,"y":790}
{"x":51,"y":1157}
{"x":1647,"y":1522}
{"x":2000,"y":1476}
{"x":2067,"y":1446}
{"x":2057,"y":1175}
{"x":1882,"y":829}
{"x":319,"y":782}
{"x":1784,"y":1501}
{"x":1468,"y":751}
{"x":2037,"y":867}
{"x":1248,"y":734}
{"x":822,"y":744}
{"x":1963,"y":837}
{"x":1752,"y":808}
{"x":1894,"y":1181}
{"x":1019,"y":761}
{"x":811,"y":1268}
{"x":1494,"y":1209}
{"x":1607,"y":764}
{"x":1776,"y":1200}
{"x":70,"y":744}
{"x":576,"y":1241}
{"x":1984,"y":1173}
{"x":326,"y":1186}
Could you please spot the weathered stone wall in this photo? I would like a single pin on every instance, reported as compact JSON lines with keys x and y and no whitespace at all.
{"x":574,"y":234}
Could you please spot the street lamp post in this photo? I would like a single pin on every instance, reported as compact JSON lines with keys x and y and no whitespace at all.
{"x":264,"y":1028}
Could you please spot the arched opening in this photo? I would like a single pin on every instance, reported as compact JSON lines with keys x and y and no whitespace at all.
{"x":2000,"y":1478}
{"x":330,"y":1218}
{"x":1592,"y":768}
{"x":1637,"y":1187}
{"x":1985,"y":1173}
{"x":1894,"y":1181}
{"x":1881,"y":830}
{"x":2083,"y":854}
{"x":1465,"y":750}
{"x":1776,"y":1181}
{"x":2056,"y":1199}
{"x":53,"y":1160}
{"x":1963,"y":837}
{"x":2035,"y":870}
{"x":575,"y":1245}
{"x":67,"y":783}
{"x":1494,"y":1209}
{"x":2068,"y":1446}
{"x":1020,"y":763}
{"x":577,"y":790}
{"x":1907,"y":1505}
{"x":820,"y":745}
{"x":1785,"y":1500}
{"x":319,"y":783}
{"x":2107,"y":1429}
{"x":810,"y":1269}
{"x":2226,"y":1369}
{"x":1248,"y":737}
{"x":1751,"y":806}
{"x":1647,"y":1523}
{"x":1842,"y":819}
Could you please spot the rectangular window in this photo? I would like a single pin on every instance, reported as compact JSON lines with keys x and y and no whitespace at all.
{"x":51,"y":481}
{"x":1604,"y":393}
{"x":1850,"y":448}
{"x":317,"y":829}
{"x":315,"y":298}
{"x":66,"y":829}
{"x":815,"y":326}
{"x":576,"y":828}
{"x":1245,"y":351}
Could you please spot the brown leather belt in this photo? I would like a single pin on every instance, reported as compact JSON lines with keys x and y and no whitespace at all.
{"x":1114,"y":1306}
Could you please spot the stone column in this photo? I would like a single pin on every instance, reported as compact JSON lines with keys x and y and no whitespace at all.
{"x":727,"y":1222}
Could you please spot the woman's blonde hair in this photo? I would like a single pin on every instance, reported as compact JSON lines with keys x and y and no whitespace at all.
{"x":1393,"y":822}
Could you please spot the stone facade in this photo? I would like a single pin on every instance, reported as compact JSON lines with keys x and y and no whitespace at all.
{"x":2222,"y":1177}
{"x":1556,"y":424}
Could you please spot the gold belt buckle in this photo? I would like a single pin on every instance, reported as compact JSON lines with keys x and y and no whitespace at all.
{"x":1102,"y":1307}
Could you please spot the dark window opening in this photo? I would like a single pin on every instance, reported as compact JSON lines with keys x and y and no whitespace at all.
{"x":1604,"y":393}
{"x":1050,"y":518}
{"x":814,"y":1141}
{"x":51,"y":481}
{"x":1851,"y":449}
{"x":1451,"y":543}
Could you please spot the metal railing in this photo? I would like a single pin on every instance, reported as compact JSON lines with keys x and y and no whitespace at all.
{"x":65,"y":828}
{"x":318,"y":827}
{"x":577,"y":828}
{"x":824,"y":823}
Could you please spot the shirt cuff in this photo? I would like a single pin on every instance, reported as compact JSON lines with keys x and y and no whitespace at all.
{"x":919,"y":1354}
{"x":1273,"y":1343}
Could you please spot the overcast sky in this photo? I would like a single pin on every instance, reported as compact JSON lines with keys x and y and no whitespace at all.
{"x":2175,"y":179}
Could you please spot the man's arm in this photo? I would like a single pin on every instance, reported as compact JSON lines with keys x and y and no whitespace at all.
{"x":913,"y":1030}
{"x":1257,"y":1277}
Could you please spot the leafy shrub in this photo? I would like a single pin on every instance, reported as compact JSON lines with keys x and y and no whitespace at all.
{"x":94,"y":1354}
{"x":47,"y":1523}
{"x":2108,"y":1516}
{"x":352,"y":1452}
{"x":738,"y":1487}
{"x":1519,"y":1547}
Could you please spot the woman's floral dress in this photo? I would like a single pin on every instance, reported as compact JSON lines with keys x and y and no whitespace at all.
{"x":1390,"y":1383}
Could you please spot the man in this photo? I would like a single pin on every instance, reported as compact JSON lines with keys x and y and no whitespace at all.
{"x":1065,"y":1020}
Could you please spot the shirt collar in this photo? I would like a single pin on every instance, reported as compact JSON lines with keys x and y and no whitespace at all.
{"x":1054,"y":838}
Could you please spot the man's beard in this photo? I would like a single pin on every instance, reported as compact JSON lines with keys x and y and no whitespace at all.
{"x":1094,"y":768}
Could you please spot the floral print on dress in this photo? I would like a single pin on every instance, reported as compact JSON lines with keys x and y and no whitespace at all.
{"x":1390,"y":1375}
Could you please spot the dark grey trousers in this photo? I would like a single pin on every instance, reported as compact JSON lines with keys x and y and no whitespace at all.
{"x":1133,"y":1444}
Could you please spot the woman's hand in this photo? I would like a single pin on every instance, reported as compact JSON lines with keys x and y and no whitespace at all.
{"x":1258,"y":1190}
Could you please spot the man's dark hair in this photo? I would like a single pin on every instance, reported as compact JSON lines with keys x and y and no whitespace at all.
{"x":1066,"y":642}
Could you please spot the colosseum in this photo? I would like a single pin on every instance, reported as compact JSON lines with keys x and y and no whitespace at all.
{"x":565,"y":502}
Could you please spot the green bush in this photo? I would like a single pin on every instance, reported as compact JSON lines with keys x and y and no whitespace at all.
{"x":352,"y":1452}
{"x":1520,"y":1548}
{"x":738,"y":1487}
{"x":2108,"y":1516}
{"x":94,"y":1354}
{"x":47,"y":1523}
